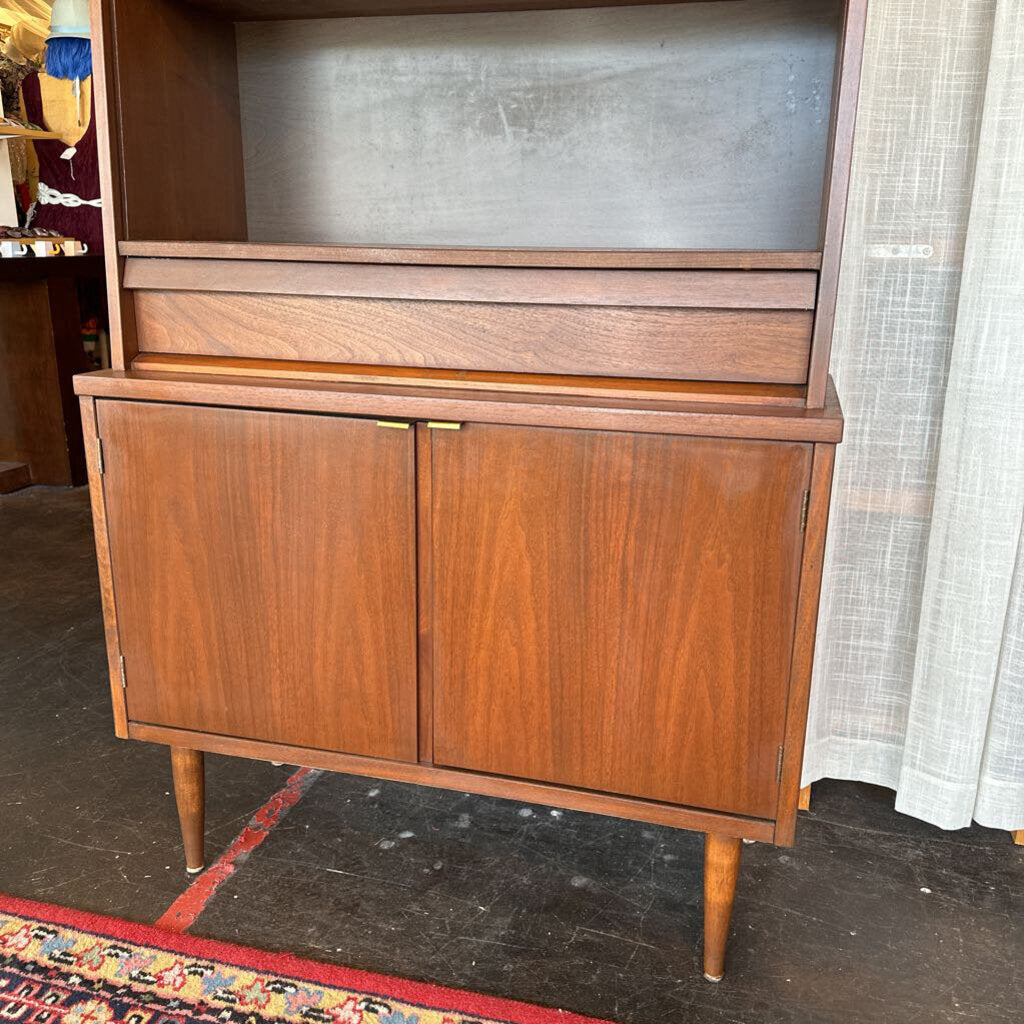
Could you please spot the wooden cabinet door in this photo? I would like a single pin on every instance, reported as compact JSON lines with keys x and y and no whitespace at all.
{"x":616,"y":611}
{"x":264,"y":574}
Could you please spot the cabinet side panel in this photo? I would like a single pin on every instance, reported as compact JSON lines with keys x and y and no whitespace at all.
{"x":615,"y":612}
{"x":178,"y":125}
{"x":264,"y":565}
{"x":806,"y":632}
{"x":837,"y":187}
{"x":99,"y":522}
{"x":123,"y":347}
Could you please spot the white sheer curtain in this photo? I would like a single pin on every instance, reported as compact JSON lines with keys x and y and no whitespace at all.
{"x":919,"y":675}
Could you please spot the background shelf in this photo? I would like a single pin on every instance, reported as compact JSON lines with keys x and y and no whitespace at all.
{"x":10,"y":132}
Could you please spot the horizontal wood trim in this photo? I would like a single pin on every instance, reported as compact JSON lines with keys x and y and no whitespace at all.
{"x":681,"y":344}
{"x":463,"y":781}
{"x":538,"y":383}
{"x":267,"y":10}
{"x":420,"y":403}
{"x":691,"y":289}
{"x":465,"y":256}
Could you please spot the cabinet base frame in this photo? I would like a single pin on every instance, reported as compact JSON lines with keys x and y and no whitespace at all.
{"x":631,"y":808}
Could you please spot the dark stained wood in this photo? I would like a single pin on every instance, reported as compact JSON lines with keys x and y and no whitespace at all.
{"x":99,"y":523}
{"x":31,"y":268}
{"x":14,"y":476}
{"x":721,"y":871}
{"x":683,"y":344}
{"x":452,"y":256}
{"x":65,"y":322}
{"x":266,"y":10}
{"x":188,"y":771}
{"x":741,"y":393}
{"x":402,"y":402}
{"x":684,"y":289}
{"x":803,"y":647}
{"x":424,"y":591}
{"x":837,"y":186}
{"x":264,"y":572}
{"x":178,"y":122}
{"x":598,"y":618}
{"x":40,"y":351}
{"x":121,"y":307}
{"x":461,"y":781}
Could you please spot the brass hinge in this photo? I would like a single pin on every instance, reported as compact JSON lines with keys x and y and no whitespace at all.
{"x":803,"y":512}
{"x":100,"y":464}
{"x":120,"y":665}
{"x":393,"y":424}
{"x":778,"y":767}
{"x":442,"y":425}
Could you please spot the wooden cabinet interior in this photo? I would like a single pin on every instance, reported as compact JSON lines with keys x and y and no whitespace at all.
{"x":525,"y":495}
{"x":493,"y":129}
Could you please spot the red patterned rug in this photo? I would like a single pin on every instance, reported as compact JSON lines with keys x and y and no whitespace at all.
{"x":64,"y":967}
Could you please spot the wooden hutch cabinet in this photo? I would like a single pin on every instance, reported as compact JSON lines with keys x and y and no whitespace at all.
{"x":536,"y":510}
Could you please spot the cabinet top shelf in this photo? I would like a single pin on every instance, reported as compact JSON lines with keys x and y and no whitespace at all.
{"x":274,"y":10}
{"x":463,"y":256}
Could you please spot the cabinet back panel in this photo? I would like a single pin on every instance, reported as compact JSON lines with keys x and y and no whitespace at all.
{"x":615,"y":612}
{"x":264,"y":574}
{"x":690,"y":126}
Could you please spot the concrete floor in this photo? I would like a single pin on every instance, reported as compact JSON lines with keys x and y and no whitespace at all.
{"x":872,"y":917}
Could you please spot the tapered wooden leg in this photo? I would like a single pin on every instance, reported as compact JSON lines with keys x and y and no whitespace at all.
{"x":804,"y":800}
{"x":721,"y":869}
{"x":1018,"y":837}
{"x":190,"y":793}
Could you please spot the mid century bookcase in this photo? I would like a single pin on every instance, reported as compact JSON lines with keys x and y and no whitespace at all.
{"x":470,"y":422}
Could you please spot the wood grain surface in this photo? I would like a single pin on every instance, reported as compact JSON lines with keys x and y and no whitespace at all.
{"x":271,"y":10}
{"x":120,"y":305}
{"x":846,"y":89}
{"x":685,"y":289}
{"x":615,"y":612}
{"x":188,"y":773}
{"x":643,"y":415}
{"x":264,"y":573}
{"x":40,"y":351}
{"x":178,"y":123}
{"x":686,"y":344}
{"x":458,"y":255}
{"x":530,"y":383}
{"x":804,"y":640}
{"x":106,"y":577}
{"x":463,"y":782}
{"x":721,"y":871}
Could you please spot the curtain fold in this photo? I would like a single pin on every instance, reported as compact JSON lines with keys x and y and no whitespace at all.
{"x":919,"y":674}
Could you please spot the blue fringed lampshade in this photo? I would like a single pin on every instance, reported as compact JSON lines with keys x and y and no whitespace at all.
{"x":68,"y":58}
